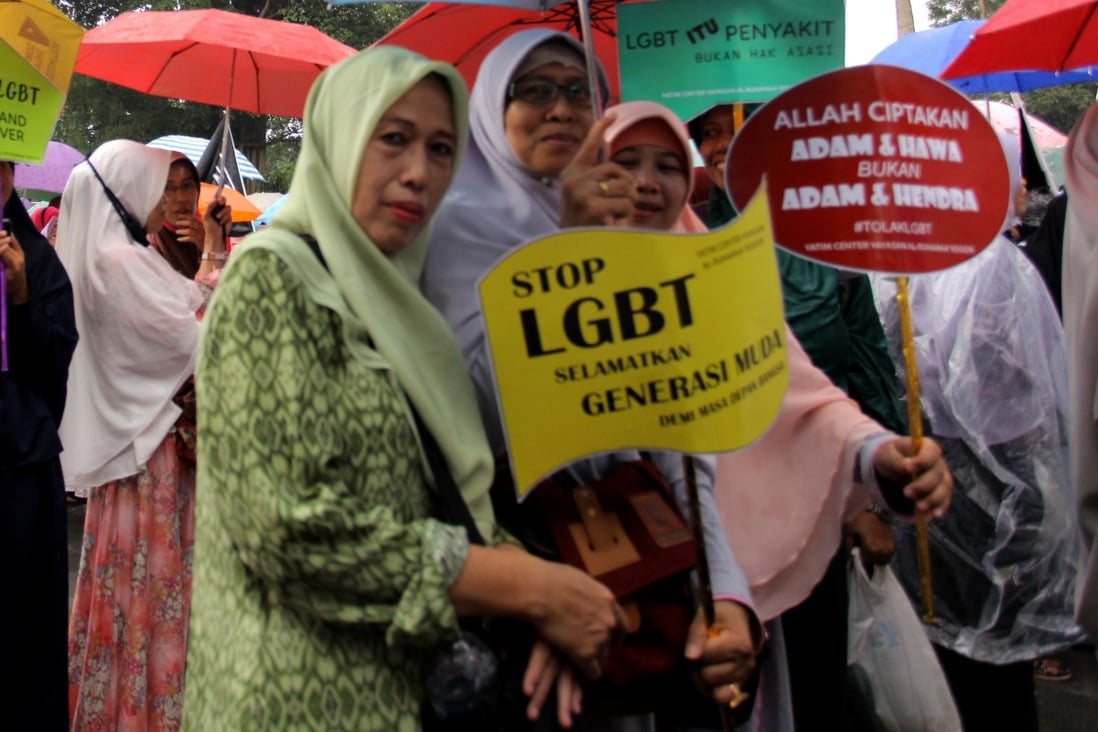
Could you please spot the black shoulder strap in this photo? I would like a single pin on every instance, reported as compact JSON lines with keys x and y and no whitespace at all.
{"x":311,"y":242}
{"x":453,"y":505}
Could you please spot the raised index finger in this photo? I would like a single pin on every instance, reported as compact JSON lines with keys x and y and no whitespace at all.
{"x":588,"y":154}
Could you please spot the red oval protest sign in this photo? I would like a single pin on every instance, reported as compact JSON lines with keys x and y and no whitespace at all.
{"x":875,"y":168}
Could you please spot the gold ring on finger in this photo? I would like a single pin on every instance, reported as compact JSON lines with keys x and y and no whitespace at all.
{"x":604,"y":187}
{"x":739,"y":696}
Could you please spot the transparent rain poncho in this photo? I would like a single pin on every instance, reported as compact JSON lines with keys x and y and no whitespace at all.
{"x":990,"y":350}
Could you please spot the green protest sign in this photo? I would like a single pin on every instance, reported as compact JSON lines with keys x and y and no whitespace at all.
{"x":691,"y":54}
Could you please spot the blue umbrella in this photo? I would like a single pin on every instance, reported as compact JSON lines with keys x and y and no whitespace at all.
{"x":193,"y":147}
{"x":265,"y":218}
{"x":930,"y":51}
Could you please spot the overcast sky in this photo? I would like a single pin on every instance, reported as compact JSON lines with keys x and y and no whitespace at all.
{"x":871,"y":25}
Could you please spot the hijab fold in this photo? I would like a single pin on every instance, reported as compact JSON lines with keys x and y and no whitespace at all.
{"x":387,"y":322}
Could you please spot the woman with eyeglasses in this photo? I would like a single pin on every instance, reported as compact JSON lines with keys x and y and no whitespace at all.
{"x":530,"y":113}
{"x":185,"y":239}
{"x":138,"y":320}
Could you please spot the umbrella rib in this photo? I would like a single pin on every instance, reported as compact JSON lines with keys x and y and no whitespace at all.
{"x":258,"y":88}
{"x":164,"y":66}
{"x":1078,"y":35}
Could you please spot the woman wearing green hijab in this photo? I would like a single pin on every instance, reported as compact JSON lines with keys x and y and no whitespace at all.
{"x":323,"y":581}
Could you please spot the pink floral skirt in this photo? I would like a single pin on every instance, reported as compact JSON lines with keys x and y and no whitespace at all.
{"x":128,"y":629}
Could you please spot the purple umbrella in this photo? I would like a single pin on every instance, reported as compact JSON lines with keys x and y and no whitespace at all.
{"x":54,"y":170}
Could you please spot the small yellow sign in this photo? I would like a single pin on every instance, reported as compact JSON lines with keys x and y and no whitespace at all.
{"x":43,"y":36}
{"x":38,"y":47}
{"x":610,"y":339}
{"x":29,"y":107}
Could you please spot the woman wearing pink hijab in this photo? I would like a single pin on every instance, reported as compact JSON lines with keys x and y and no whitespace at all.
{"x":650,"y":142}
{"x":784,"y":499}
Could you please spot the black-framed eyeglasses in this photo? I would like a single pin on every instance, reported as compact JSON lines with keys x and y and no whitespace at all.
{"x":542,"y":92}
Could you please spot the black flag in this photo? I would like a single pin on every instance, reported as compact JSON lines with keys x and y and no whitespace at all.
{"x":209,"y":169}
{"x":1034,"y":167}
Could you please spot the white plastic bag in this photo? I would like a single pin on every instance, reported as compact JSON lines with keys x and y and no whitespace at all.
{"x":891,"y":658}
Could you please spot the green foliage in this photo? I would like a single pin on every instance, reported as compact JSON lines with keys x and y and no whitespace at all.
{"x":944,"y":12}
{"x":1060,"y":106}
{"x":97,"y":111}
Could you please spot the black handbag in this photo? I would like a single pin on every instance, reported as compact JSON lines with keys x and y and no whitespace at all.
{"x":476,"y":683}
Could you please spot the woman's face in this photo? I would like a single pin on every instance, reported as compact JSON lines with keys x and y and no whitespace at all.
{"x":718,"y":128}
{"x":660,"y":181}
{"x":545,"y":137}
{"x":406,"y":167}
{"x":180,"y":194}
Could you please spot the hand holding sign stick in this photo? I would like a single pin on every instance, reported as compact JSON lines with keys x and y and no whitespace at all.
{"x":877,"y":168}
{"x":915,"y":427}
{"x":706,"y":585}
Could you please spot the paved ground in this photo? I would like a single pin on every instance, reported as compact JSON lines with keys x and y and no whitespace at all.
{"x":1071,"y":706}
{"x":1066,"y":706}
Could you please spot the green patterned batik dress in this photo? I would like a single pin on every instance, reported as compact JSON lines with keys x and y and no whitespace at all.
{"x":319,"y":577}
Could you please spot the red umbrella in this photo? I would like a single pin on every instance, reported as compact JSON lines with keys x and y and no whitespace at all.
{"x":211,"y":56}
{"x":464,"y":34}
{"x":1032,"y":35}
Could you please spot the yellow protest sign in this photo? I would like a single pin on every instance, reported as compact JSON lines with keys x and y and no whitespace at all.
{"x":608,"y":339}
{"x":38,"y":47}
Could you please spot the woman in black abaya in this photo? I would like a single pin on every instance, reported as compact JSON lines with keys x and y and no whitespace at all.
{"x":40,"y":335}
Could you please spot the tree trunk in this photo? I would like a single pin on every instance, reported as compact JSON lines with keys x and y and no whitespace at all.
{"x":905,"y":18}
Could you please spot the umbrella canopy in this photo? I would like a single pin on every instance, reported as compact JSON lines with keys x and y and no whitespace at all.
{"x":38,"y":46}
{"x":211,"y":56}
{"x":193,"y":147}
{"x":1048,"y":140}
{"x":264,"y":199}
{"x":268,"y":214}
{"x":53,"y":172}
{"x":1046,"y":35}
{"x":243,"y":209}
{"x":521,"y":4}
{"x":463,"y":34}
{"x":931,"y":51}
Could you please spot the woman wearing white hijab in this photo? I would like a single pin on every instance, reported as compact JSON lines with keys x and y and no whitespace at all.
{"x":530,"y":115}
{"x":137,"y":319}
{"x":326,"y":578}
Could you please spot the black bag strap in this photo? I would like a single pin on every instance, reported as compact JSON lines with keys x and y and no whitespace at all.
{"x":453,"y":505}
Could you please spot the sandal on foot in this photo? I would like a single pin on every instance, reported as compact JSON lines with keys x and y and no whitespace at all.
{"x":1051,"y":669}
